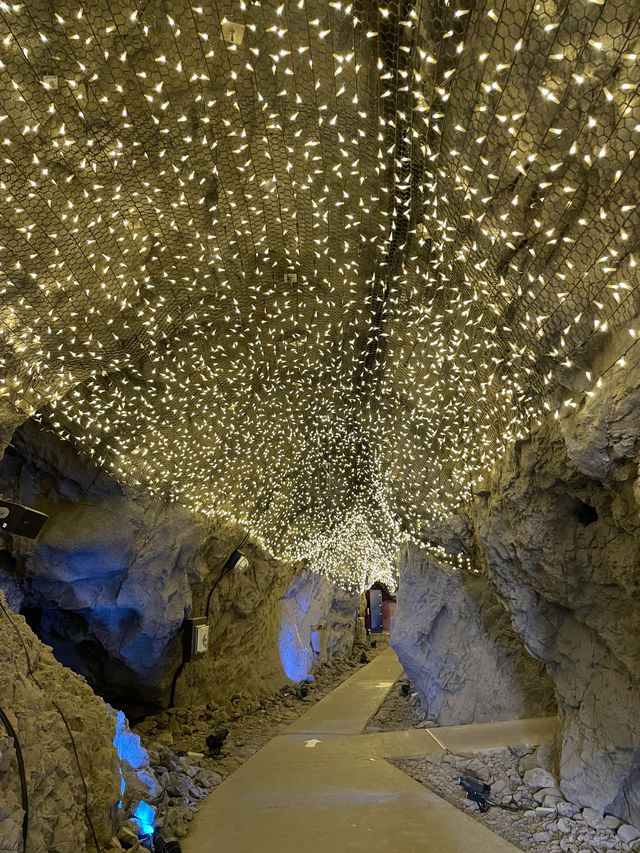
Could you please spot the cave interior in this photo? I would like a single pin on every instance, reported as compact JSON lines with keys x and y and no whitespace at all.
{"x":304,"y":304}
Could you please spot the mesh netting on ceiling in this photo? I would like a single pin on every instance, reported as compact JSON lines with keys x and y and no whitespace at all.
{"x":310,"y":266}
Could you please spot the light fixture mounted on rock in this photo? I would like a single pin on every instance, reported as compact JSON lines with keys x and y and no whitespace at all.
{"x":20,"y":520}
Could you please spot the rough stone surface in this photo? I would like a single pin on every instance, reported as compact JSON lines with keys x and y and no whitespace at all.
{"x":559,"y":534}
{"x":10,"y":419}
{"x":108,"y":581}
{"x":538,"y":778}
{"x":34,"y":690}
{"x":261,"y":625}
{"x":456,"y":643}
{"x":115,"y":572}
{"x":628,"y":833}
{"x":311,"y":601}
{"x":517,"y":817}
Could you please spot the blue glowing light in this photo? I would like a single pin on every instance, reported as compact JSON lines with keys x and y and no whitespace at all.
{"x":122,"y":782}
{"x":295,"y":656}
{"x":128,"y":745}
{"x":144,"y":816}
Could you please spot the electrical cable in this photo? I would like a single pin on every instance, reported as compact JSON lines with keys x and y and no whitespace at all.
{"x":23,"y":777}
{"x":174,"y":682}
{"x":224,"y":571}
{"x":227,"y":566}
{"x":64,"y":720}
{"x":508,"y":807}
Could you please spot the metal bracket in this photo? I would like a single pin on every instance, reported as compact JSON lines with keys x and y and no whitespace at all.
{"x":232,"y":33}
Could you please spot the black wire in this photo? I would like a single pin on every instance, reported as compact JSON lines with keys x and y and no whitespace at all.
{"x":23,"y":777}
{"x":174,"y":682}
{"x":64,"y":720}
{"x":227,"y":566}
{"x":224,"y":571}
{"x":508,"y":807}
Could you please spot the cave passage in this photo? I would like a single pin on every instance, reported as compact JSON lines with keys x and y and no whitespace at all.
{"x":318,"y":332}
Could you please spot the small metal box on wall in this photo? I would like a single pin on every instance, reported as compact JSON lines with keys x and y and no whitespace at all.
{"x":196,"y":638}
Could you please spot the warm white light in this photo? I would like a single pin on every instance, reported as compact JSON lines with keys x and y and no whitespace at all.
{"x":316,"y":281}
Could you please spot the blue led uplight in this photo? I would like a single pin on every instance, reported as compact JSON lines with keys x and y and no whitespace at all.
{"x":144,"y":815}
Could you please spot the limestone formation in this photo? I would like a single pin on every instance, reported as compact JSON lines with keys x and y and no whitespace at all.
{"x":313,"y":602}
{"x":261,"y":630}
{"x":555,"y":530}
{"x":455,"y":642}
{"x":108,"y":582}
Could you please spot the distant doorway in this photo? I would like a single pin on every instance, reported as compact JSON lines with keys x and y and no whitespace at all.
{"x":380,"y":606}
{"x":373,"y":613}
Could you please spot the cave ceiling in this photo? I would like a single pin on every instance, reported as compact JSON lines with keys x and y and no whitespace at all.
{"x":311,"y":266}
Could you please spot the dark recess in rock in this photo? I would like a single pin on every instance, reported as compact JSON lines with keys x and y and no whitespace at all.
{"x":586,"y":514}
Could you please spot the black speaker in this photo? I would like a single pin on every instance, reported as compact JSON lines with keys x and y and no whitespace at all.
{"x":20,"y":520}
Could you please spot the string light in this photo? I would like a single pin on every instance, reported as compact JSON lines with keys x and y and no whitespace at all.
{"x":311,"y":267}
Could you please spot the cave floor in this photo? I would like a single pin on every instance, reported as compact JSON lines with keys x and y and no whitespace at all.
{"x":321,"y":785}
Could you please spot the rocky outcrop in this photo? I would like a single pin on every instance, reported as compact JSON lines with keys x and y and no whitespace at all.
{"x":40,"y":698}
{"x":114,"y":572}
{"x":261,"y":630}
{"x":455,"y":641}
{"x":10,"y":419}
{"x":559,"y":533}
{"x":243,"y":640}
{"x":317,"y":620}
{"x":108,"y":582}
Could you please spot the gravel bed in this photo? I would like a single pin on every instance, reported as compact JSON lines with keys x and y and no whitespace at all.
{"x":400,"y":710}
{"x":520,"y":778}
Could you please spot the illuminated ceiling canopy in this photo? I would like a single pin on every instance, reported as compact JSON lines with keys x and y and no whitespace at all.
{"x":311,"y":265}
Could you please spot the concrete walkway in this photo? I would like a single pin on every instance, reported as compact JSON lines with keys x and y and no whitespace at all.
{"x":323,"y":787}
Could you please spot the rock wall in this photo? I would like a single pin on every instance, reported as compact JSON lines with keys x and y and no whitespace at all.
{"x":312,"y":602}
{"x":562,"y":549}
{"x":261,"y":621}
{"x":113,"y":574}
{"x":456,"y":643}
{"x":558,"y":530}
{"x":34,"y":689}
{"x":108,"y":581}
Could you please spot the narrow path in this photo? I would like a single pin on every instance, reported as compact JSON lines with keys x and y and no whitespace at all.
{"x":323,"y":787}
